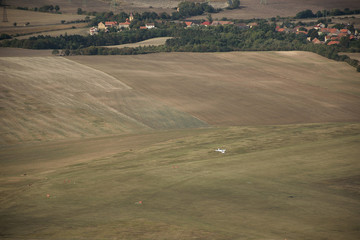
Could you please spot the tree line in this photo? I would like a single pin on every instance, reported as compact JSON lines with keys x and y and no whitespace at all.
{"x":263,"y":37}
{"x":45,"y":8}
{"x":334,"y":12}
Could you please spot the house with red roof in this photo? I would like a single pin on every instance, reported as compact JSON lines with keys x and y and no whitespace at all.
{"x":150,"y":25}
{"x":207,"y":23}
{"x":124,"y":25}
{"x":316,"y":41}
{"x":333,"y":43}
{"x":189,"y":24}
{"x":345,"y":31}
{"x":111,"y":24}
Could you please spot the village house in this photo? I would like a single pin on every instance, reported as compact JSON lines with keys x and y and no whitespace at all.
{"x":189,"y":24}
{"x":125,"y":25}
{"x":333,"y":43}
{"x":328,"y":38}
{"x":111,"y":24}
{"x":253,"y":24}
{"x":93,"y":31}
{"x":316,"y":41}
{"x":150,"y":25}
{"x":101,"y":26}
{"x":206,"y":23}
{"x":105,"y":26}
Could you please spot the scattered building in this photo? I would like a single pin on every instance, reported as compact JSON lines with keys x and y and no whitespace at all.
{"x":316,"y":41}
{"x":253,"y":24}
{"x":150,"y":25}
{"x":131,"y":17}
{"x":124,"y":25}
{"x":111,"y":24}
{"x":207,"y":23}
{"x":333,"y":43}
{"x":93,"y":31}
{"x":101,"y":26}
{"x":189,"y":24}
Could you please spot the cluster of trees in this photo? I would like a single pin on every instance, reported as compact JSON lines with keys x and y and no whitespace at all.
{"x":4,"y":36}
{"x":233,"y":4}
{"x":188,"y":9}
{"x":45,"y":8}
{"x":335,"y":12}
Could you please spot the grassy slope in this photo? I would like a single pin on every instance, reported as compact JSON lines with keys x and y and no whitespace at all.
{"x":274,"y":182}
{"x":296,"y":181}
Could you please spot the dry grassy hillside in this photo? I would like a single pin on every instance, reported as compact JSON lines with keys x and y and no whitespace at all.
{"x":122,"y":147}
{"x":45,"y":98}
{"x":51,"y":98}
{"x":242,"y":88}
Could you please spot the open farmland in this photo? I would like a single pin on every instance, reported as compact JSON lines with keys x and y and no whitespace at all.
{"x":122,"y":147}
{"x":283,"y":8}
{"x":242,"y":88}
{"x":39,"y":22}
{"x":284,"y":182}
{"x":250,"y":8}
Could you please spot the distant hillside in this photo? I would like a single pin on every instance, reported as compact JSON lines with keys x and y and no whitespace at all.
{"x":250,"y":8}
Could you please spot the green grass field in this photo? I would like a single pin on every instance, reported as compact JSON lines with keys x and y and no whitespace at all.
{"x":274,"y":182}
{"x":123,"y":147}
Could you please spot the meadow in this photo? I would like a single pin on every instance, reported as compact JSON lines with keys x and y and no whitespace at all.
{"x":123,"y":147}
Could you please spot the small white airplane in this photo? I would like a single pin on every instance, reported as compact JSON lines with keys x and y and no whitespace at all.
{"x":220,"y":150}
